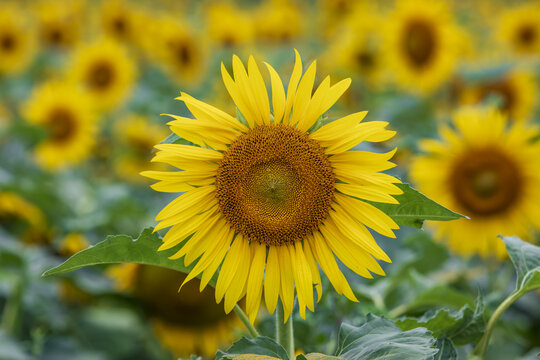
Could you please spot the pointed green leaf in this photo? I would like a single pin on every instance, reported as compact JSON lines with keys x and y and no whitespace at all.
{"x":123,"y":249}
{"x":414,"y":208}
{"x":526,"y":260}
{"x":260,"y":348}
{"x":379,"y":339}
{"x":447,"y":350}
{"x":174,"y":139}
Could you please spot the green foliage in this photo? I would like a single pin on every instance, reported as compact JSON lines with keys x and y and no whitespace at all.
{"x":526,"y":260}
{"x":259,"y":346}
{"x":447,"y":350}
{"x":379,"y":338}
{"x":121,"y":249}
{"x":414,"y":208}
{"x":465,"y":326}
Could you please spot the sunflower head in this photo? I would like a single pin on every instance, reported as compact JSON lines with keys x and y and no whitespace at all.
{"x":519,"y":29}
{"x":23,"y":218}
{"x":278,"y":22}
{"x":17,"y":40}
{"x":58,"y":23}
{"x":486,"y":170}
{"x":106,"y":72}
{"x":68,"y":117}
{"x":121,"y":20}
{"x":270,"y":195}
{"x":191,"y":323}
{"x":228,"y":26}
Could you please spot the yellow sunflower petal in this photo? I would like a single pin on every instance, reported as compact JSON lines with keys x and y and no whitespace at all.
{"x":278,"y":95}
{"x":291,"y":88}
{"x":255,"y":281}
{"x":286,"y":290}
{"x":272,"y":279}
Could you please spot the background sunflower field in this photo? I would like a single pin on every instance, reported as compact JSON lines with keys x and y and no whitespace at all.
{"x":82,"y":87}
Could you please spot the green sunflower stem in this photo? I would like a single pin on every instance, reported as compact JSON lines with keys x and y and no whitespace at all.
{"x":243,"y":317}
{"x":284,"y":331}
{"x":480,"y":350}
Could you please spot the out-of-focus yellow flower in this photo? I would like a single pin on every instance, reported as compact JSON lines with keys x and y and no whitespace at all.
{"x":72,"y":243}
{"x":59,"y":22}
{"x":178,"y":48}
{"x":422,"y":43}
{"x":190,"y":323}
{"x":486,"y":170}
{"x":121,"y":20}
{"x":516,"y":90}
{"x":519,"y":29}
{"x":137,"y":135}
{"x":106,"y":72}
{"x":229,"y":26}
{"x":333,"y":13}
{"x":17,"y":40}
{"x":358,"y":49}
{"x":15,"y":210}
{"x":278,"y":21}
{"x":68,"y":117}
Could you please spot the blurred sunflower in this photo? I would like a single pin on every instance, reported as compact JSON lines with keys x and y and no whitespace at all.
{"x":333,"y":13}
{"x":121,"y":20}
{"x":190,"y":323}
{"x":519,"y":29}
{"x":486,"y":170}
{"x":422,"y":43}
{"x":137,"y":135}
{"x":267,"y":192}
{"x":106,"y":71}
{"x":17,"y":41}
{"x":516,"y":90}
{"x":72,"y":243}
{"x":23,"y":218}
{"x":67,"y":115}
{"x":228,"y":26}
{"x":178,"y":48}
{"x":59,"y":23}
{"x":278,"y":21}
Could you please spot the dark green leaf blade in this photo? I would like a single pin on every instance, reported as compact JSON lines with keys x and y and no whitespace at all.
{"x":262,"y":345}
{"x":526,"y":260}
{"x":414,"y":208}
{"x":447,"y":350}
{"x":379,"y":338}
{"x":122,"y":249}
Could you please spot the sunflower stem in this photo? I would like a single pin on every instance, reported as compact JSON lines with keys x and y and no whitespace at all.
{"x":284,"y":331}
{"x":243,"y":317}
{"x":480,"y":350}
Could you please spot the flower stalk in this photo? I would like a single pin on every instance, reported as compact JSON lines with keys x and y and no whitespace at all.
{"x":284,"y":331}
{"x":243,"y":317}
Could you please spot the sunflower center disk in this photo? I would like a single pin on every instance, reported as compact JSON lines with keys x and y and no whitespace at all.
{"x":60,"y":125}
{"x":275,"y":185}
{"x":100,"y":76}
{"x":486,"y":182}
{"x":419,"y":43}
{"x":527,"y":35}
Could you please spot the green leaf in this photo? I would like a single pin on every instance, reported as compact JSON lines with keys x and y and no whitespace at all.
{"x":379,"y":338}
{"x":447,"y":350}
{"x":526,"y":260}
{"x":174,"y":139}
{"x":317,"y":356}
{"x":465,"y":326}
{"x":414,"y":208}
{"x":123,"y":249}
{"x":260,"y":348}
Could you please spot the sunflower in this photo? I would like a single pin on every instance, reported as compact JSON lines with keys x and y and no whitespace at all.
{"x":188,"y":324}
{"x":59,"y":23}
{"x":17,"y":42}
{"x":278,"y":21}
{"x":106,"y":71}
{"x":137,"y":135}
{"x":269,"y":190}
{"x":486,"y":170}
{"x":519,"y":29}
{"x":422,"y":43}
{"x":121,"y":20}
{"x":67,"y":115}
{"x":72,"y":243}
{"x":516,"y":91}
{"x":177,"y":47}
{"x":333,"y":13}
{"x":228,"y":26}
{"x":20,"y":217}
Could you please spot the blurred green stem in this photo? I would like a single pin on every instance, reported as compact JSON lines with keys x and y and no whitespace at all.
{"x":479,"y":351}
{"x":11,"y":315}
{"x":242,"y":315}
{"x":284,"y":331}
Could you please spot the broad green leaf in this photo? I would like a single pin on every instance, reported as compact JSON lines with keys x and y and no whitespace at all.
{"x":379,"y":339}
{"x":414,"y":208}
{"x":174,"y":139}
{"x":447,"y":350}
{"x":465,"y":326}
{"x":526,"y":260}
{"x":318,"y":356}
{"x":122,"y":249}
{"x":260,"y":348}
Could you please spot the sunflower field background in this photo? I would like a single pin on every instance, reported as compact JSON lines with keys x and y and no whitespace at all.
{"x":82,"y":87}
